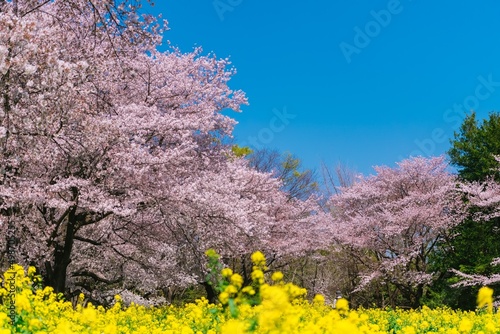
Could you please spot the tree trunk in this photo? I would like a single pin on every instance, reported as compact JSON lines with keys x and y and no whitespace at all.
{"x":56,"y":273}
{"x":211,"y":295}
{"x":418,"y":296}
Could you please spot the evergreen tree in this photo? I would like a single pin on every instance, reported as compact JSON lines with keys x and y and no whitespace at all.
{"x":474,"y":244}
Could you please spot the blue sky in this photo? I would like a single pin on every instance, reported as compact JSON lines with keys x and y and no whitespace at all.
{"x":354,"y":81}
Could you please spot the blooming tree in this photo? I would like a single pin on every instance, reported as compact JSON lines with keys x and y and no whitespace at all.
{"x":113,"y":162}
{"x":399,"y":215}
{"x":485,"y":197}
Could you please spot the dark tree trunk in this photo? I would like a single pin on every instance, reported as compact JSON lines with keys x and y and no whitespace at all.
{"x":56,"y":272}
{"x":418,"y":296}
{"x":211,"y":295}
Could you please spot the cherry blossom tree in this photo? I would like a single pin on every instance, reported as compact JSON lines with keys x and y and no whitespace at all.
{"x":398,"y":215}
{"x":484,"y":196}
{"x":114,"y":169}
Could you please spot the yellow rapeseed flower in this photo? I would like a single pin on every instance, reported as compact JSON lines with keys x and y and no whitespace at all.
{"x":226,"y":272}
{"x":231,"y":289}
{"x":465,"y":325}
{"x":234,"y":326}
{"x":248,"y":290}
{"x":319,"y":299}
{"x":224,"y":298}
{"x":31,"y":271}
{"x":409,"y":330}
{"x":258,"y":276}
{"x":342,"y":304}
{"x":23,"y":302}
{"x":258,"y":259}
{"x":485,"y":298}
{"x":237,"y":280}
{"x":277,"y":276}
{"x":276,"y":308}
{"x":211,"y":253}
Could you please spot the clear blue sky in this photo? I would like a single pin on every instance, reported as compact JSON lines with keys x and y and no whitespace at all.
{"x":354,"y":81}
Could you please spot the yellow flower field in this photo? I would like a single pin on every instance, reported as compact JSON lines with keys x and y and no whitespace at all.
{"x":262,"y":307}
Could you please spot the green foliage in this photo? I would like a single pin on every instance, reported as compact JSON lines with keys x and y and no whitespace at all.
{"x":292,"y":175}
{"x":297,"y":182}
{"x":290,"y":162}
{"x":241,"y":151}
{"x":474,"y":147}
{"x":474,"y":244}
{"x":441,"y":291}
{"x":214,"y":265}
{"x":471,"y":250}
